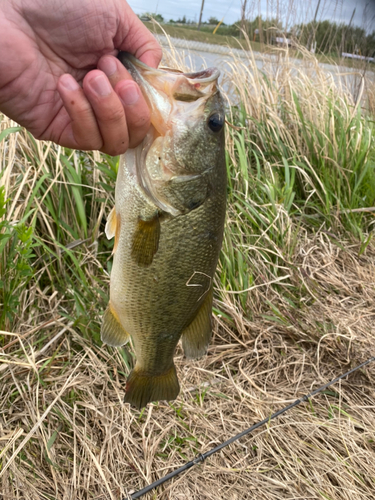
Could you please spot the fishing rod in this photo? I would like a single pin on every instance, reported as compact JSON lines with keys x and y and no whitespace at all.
{"x":200,"y":458}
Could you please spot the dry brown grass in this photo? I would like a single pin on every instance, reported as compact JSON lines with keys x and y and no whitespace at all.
{"x":66,"y":434}
{"x":104,"y":449}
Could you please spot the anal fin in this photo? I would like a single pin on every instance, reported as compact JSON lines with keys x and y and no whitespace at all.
{"x":142,"y":387}
{"x":196,"y":337}
{"x":145,"y":242}
{"x":112,"y":332}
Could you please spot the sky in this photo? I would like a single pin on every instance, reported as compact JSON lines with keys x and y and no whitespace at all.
{"x":290,"y":11}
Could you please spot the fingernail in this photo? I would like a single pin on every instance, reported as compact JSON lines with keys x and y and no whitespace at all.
{"x":68,"y":82}
{"x":101,"y":86}
{"x":108,"y":66}
{"x":129,"y":94}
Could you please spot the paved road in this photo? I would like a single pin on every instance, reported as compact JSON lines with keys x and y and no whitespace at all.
{"x":199,"y":55}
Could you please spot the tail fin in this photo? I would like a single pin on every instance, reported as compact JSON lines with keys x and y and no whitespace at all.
{"x":142,"y":388}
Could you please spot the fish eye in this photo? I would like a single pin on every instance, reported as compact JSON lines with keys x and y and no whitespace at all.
{"x":216,"y":122}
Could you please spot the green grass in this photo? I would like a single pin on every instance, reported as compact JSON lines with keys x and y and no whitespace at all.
{"x":293,"y":306}
{"x":300,"y":162}
{"x":16,"y":256}
{"x":205,"y":35}
{"x":301,"y":157}
{"x":190,"y":33}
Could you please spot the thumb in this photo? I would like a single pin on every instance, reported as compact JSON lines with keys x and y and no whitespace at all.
{"x":138,"y":40}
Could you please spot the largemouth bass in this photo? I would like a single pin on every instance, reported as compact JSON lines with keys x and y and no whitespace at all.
{"x":168,"y":225}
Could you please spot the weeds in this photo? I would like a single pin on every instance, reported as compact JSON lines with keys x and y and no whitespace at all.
{"x":301,"y":157}
{"x":15,"y":264}
{"x":294,"y":306}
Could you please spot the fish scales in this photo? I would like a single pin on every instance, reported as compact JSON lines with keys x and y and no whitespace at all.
{"x":165,"y":290}
{"x":167,"y":293}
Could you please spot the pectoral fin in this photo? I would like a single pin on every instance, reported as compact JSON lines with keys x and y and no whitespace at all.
{"x":197,"y":336}
{"x":146,"y":241}
{"x":112,"y":332}
{"x":113,"y":226}
{"x":110,"y":227}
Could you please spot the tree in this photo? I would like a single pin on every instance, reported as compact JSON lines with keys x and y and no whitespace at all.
{"x":332,"y":37}
{"x":158,"y":17}
{"x":263,"y":26}
{"x":152,"y":15}
{"x":213,"y":20}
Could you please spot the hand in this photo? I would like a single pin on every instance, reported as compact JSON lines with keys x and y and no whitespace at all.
{"x":60,"y":79}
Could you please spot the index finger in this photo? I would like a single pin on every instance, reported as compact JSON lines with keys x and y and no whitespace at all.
{"x":136,"y":109}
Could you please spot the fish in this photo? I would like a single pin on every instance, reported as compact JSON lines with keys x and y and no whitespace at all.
{"x":168,"y":223}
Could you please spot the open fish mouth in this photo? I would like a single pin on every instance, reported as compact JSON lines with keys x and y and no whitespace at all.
{"x":135,"y":66}
{"x":164,"y":88}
